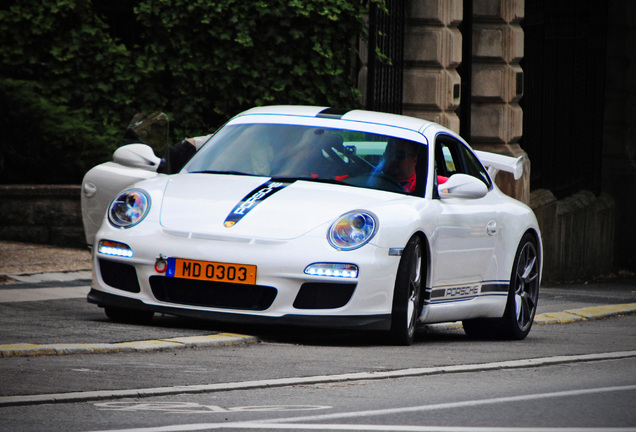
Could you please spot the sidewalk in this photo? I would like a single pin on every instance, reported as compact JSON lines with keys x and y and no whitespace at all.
{"x":28,"y":259}
{"x":34,"y":264}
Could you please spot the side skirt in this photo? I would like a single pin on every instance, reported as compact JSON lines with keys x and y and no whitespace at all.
{"x":455,"y":303}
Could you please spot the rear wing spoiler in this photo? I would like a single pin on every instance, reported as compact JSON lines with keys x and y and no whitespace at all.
{"x":495,"y":162}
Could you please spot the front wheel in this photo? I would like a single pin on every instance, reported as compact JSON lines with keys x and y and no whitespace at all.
{"x":407,"y":297}
{"x":523,"y":296}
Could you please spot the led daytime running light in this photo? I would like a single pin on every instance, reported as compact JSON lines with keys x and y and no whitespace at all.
{"x":112,"y":248}
{"x":345,"y":271}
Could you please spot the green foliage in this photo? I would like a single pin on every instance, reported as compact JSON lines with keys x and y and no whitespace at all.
{"x":62,"y":46}
{"x":218,"y":58}
{"x":45,"y":143}
{"x":69,"y":73}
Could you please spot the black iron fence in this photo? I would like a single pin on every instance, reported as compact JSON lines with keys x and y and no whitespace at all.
{"x":564,"y":68}
{"x":386,"y":57}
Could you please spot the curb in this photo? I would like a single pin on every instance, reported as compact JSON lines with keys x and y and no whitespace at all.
{"x":584,"y":314}
{"x":32,"y":350}
{"x":231,"y":339}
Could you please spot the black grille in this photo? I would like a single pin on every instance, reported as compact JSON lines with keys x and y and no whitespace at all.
{"x":119,"y":275}
{"x":212,"y":294}
{"x":314,"y":295}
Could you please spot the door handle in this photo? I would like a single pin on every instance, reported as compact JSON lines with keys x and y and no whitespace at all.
{"x":491,"y":228}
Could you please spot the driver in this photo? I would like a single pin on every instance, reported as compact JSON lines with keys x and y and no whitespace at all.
{"x":400,"y":159}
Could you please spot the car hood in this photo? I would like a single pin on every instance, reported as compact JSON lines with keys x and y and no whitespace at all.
{"x":258,"y":207}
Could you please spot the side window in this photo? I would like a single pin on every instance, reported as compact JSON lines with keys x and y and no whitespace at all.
{"x":449,"y":162}
{"x":447,"y":159}
{"x":453,"y":157}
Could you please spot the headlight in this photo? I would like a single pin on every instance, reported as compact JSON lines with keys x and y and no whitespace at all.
{"x":129,"y":208}
{"x":352,"y":230}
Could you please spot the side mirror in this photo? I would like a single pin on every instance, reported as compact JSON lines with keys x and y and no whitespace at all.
{"x":137,"y":156}
{"x":462,"y":186}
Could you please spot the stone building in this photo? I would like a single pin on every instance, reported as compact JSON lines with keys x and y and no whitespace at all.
{"x":547,"y":79}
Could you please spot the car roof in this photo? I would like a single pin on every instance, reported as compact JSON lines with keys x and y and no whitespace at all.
{"x":379,"y":118}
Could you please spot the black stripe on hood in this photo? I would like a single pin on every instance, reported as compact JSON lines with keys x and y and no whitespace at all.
{"x":253,"y":199}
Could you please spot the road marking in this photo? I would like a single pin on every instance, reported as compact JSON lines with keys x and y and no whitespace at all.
{"x":353,"y":427}
{"x":399,"y":428}
{"x":284,"y":382}
{"x":39,"y":294}
{"x":455,"y":404}
{"x":196,"y":408}
{"x":293,"y":422}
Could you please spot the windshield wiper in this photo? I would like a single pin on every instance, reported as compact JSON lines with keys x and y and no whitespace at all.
{"x":222,"y":172}
{"x":310,"y":179}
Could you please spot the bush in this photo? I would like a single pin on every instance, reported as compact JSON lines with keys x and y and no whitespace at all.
{"x":240,"y":54}
{"x":75,"y":73}
{"x":45,"y":143}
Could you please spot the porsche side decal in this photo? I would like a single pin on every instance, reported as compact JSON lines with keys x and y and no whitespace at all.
{"x":253,"y":199}
{"x":439,"y":295}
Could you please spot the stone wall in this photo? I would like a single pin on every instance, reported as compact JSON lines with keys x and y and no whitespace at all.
{"x":46,"y":214}
{"x":578,"y":235}
{"x":497,"y":86}
{"x":432,"y":52}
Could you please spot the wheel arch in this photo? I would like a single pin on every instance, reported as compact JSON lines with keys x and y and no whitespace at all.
{"x":429,"y":253}
{"x":507,"y":254}
{"x":428,"y":263}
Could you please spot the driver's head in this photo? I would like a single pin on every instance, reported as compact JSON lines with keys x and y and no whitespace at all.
{"x":400,"y":159}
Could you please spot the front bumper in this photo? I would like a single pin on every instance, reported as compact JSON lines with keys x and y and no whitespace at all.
{"x":283,"y":293}
{"x":360,"y":322}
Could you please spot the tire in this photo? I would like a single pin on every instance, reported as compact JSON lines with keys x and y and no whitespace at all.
{"x":128,"y":316}
{"x":523,"y":295}
{"x":407,"y":296}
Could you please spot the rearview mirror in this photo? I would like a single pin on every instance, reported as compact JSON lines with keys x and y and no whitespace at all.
{"x":137,"y":156}
{"x":462,"y":186}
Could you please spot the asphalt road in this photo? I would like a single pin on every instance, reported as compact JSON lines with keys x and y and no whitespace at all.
{"x":579,"y":375}
{"x":66,"y":367}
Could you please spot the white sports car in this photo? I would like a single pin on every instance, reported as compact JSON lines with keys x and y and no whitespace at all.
{"x":300,"y":215}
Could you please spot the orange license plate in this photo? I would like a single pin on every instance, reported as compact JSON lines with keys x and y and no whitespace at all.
{"x":211,"y":271}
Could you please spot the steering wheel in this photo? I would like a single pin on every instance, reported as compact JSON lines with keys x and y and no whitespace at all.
{"x":377,"y":180}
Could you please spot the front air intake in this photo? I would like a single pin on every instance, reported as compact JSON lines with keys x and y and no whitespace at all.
{"x":119,"y":275}
{"x":317,"y":295}
{"x":212,"y":294}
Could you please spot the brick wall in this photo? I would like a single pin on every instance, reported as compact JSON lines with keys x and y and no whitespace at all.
{"x":45,"y":214}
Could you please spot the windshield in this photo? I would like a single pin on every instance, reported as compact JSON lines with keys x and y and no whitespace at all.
{"x":313,"y":153}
